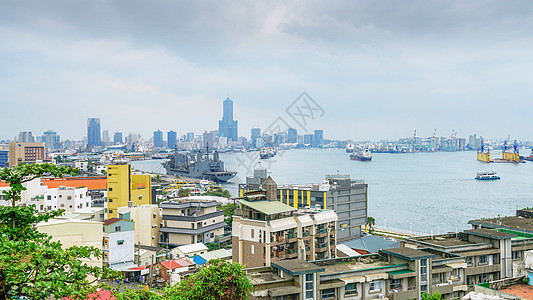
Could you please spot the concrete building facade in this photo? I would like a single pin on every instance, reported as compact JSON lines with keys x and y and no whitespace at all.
{"x":267,"y":231}
{"x":190,"y":221}
{"x":118,"y":243}
{"x":28,"y":153}
{"x":126,"y":189}
{"x":347,"y":197}
{"x":147,"y":220}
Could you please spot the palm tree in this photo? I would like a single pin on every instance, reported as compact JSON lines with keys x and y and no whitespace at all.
{"x":371,"y":222}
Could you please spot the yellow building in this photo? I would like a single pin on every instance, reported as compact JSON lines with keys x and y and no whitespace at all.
{"x":126,"y":189}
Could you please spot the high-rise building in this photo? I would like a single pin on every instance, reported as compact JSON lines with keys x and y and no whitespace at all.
{"x":106,"y":140}
{"x":171,"y":139}
{"x":190,"y":136}
{"x":209,"y":139}
{"x":93,"y":132}
{"x":292,"y":135}
{"x":117,"y":138}
{"x":4,"y":158}
{"x":227,"y":127}
{"x":126,"y":189}
{"x":51,"y":140}
{"x":25,"y":137}
{"x":256,"y":137}
{"x":318,"y":139}
{"x":158,"y":139}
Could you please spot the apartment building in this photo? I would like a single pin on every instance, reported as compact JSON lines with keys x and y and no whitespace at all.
{"x":66,"y":198}
{"x":489,"y":254}
{"x":347,"y":197}
{"x":118,"y":244}
{"x":190,"y":221}
{"x":126,"y":189}
{"x":398,"y":273}
{"x":147,"y":220}
{"x":96,"y":186}
{"x":267,"y":231}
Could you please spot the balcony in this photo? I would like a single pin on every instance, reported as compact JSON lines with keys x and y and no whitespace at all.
{"x":306,"y":234}
{"x":292,"y":253}
{"x":322,"y":245}
{"x":291,"y":236}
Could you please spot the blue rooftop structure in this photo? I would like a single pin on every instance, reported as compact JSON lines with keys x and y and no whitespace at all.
{"x":371,"y":244}
{"x":199,"y":260}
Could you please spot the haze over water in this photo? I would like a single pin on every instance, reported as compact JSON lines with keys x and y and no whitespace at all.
{"x":429,"y":191}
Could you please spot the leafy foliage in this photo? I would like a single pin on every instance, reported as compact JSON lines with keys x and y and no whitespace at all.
{"x":228,"y":209}
{"x":218,"y":193}
{"x":184,"y":193}
{"x":435,"y":296}
{"x":371,"y":223}
{"x":31,"y":264}
{"x":217,"y":280}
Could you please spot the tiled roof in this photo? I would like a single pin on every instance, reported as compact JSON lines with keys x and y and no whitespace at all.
{"x":111,"y":221}
{"x":92,"y":183}
{"x":177,"y":263}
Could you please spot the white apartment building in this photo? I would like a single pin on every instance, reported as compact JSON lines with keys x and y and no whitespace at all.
{"x":67,"y":198}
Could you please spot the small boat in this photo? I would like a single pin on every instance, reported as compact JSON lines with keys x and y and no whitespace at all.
{"x":487,"y":176}
{"x":364,"y":155}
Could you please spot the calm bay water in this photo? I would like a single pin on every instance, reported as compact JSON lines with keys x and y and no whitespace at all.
{"x":420,"y":191}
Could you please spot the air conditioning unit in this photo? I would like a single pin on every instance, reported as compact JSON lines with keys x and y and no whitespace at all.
{"x":381,"y":296}
{"x":449,"y":281}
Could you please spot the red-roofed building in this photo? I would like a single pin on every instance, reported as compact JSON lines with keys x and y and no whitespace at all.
{"x":100,"y":295}
{"x":170,"y":272}
{"x":96,"y":186}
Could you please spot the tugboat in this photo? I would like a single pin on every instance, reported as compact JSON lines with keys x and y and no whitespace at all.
{"x":199,"y":166}
{"x":267,"y":153}
{"x":487,"y":176}
{"x":365,"y":155}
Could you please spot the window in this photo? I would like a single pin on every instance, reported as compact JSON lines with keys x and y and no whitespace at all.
{"x":69,"y":197}
{"x":350,"y":289}
{"x":469,"y":261}
{"x":469,"y":280}
{"x":117,"y":228}
{"x":456,"y":274}
{"x":252,"y":249}
{"x":49,"y":197}
{"x":110,"y":211}
{"x":395,"y":284}
{"x":309,"y":286}
{"x":110,"y":189}
{"x":483,"y":259}
{"x":252,"y":233}
{"x":328,"y":293}
{"x":516,"y":254}
{"x":375,"y":285}
{"x":120,"y":242}
{"x":62,"y":205}
{"x":482,"y":278}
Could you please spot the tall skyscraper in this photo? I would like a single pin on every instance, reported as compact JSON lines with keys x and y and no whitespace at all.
{"x":227,"y":127}
{"x":292,"y":135}
{"x":190,"y":136}
{"x":106,"y":140}
{"x":158,"y":139}
{"x":25,"y":137}
{"x":117,"y":138}
{"x":318,"y":139}
{"x":93,"y":132}
{"x":171,"y":139}
{"x":51,"y":140}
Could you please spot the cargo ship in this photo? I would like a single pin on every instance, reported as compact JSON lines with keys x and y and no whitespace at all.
{"x":198,"y":165}
{"x":364,"y":155}
{"x":350,"y":147}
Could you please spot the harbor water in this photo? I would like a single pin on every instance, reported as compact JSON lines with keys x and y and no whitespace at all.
{"x":419,"y":192}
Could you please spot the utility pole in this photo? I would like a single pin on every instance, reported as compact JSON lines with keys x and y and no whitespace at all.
{"x":151,"y":271}
{"x":138,"y":254}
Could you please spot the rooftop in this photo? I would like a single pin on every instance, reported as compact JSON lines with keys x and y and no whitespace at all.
{"x":364,"y":262}
{"x":506,"y":222}
{"x":268,"y":207}
{"x":297,"y":266}
{"x":371,"y":243}
{"x":521,"y":290}
{"x":187,"y":203}
{"x":92,"y":183}
{"x":489,"y":233}
{"x":443,"y":240}
{"x":408,"y":253}
{"x":191,"y":248}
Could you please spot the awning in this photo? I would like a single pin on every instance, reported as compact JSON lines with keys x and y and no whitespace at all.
{"x":441,"y":269}
{"x":305,"y":220}
{"x":399,"y":274}
{"x":323,"y":217}
{"x":376,"y":276}
{"x":282,"y":224}
{"x":457,"y":265}
{"x":359,"y":279}
{"x":331,"y":284}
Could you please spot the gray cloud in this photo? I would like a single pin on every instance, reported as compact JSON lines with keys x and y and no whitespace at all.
{"x":380,"y":68}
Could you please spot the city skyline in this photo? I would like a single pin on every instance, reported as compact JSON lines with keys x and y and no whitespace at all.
{"x":378,"y":71}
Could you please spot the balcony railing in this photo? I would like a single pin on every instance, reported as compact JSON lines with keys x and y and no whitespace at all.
{"x":291,"y":251}
{"x":292,"y":236}
{"x":307,"y":233}
{"x":322,"y":245}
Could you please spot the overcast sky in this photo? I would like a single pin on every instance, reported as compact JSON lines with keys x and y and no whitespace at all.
{"x":379,"y":69}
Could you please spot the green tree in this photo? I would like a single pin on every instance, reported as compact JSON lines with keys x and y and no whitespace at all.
{"x":435,"y":296}
{"x":218,"y":193}
{"x":229,"y":210}
{"x":31,"y":264}
{"x":216,"y":280}
{"x":184,"y":193}
{"x":371,"y":223}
